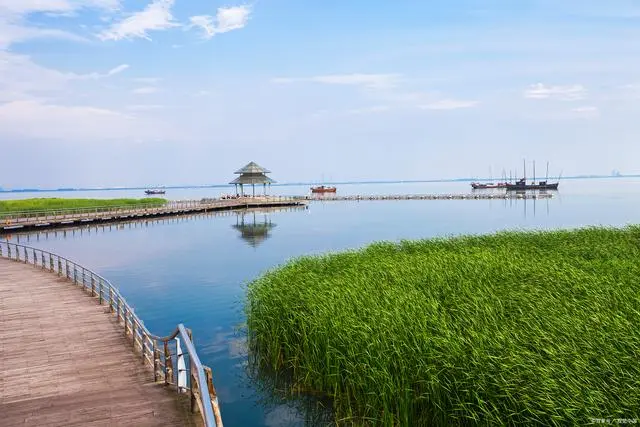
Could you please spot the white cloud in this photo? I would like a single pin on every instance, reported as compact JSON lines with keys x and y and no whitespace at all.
{"x":587,"y":112}
{"x":148,"y":80}
{"x":155,"y":17}
{"x":563,"y":93}
{"x":145,"y":107}
{"x":448,"y":104}
{"x":373,"y":81}
{"x":118,"y":69}
{"x":13,"y":14}
{"x":21,"y":78}
{"x":25,"y":7}
{"x":369,"y":110}
{"x":226,"y":19}
{"x":146,"y":90}
{"x":11,"y":33}
{"x":95,"y":76}
{"x":49,"y":121}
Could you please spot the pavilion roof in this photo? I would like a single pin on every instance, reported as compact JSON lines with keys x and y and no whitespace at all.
{"x":254,"y":178}
{"x":252,"y":167}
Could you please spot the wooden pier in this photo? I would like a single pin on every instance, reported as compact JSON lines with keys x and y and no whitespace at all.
{"x":69,"y":357}
{"x":29,"y":221}
{"x":457,"y":196}
{"x":26,"y":221}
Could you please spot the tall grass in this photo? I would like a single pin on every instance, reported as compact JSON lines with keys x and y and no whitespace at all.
{"x":30,"y":205}
{"x":512,"y":328}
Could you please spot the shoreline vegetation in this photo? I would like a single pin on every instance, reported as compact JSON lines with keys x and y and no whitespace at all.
{"x":42,"y":204}
{"x":512,"y":328}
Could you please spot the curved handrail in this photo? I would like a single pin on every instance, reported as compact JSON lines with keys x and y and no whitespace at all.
{"x":200,"y":384}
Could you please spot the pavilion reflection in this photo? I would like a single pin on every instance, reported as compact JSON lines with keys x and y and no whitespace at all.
{"x":254,"y":227}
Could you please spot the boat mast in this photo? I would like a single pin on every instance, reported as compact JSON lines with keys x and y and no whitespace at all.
{"x":547,"y":172}
{"x":524,"y":170}
{"x":534,"y":171}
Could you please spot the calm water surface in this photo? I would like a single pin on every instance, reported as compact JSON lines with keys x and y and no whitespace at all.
{"x":194,"y":270}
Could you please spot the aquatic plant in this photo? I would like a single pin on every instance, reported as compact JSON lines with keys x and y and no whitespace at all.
{"x":41,"y":204}
{"x":512,"y":328}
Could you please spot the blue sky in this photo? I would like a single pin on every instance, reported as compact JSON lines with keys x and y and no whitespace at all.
{"x":139,"y":92}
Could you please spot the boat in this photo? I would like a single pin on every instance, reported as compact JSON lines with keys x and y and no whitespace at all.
{"x":157,"y":191}
{"x":540,"y":185}
{"x":482,"y":186}
{"x":323,"y":189}
{"x":488,"y":185}
{"x":522,"y":184}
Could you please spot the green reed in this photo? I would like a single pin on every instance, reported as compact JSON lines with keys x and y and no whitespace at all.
{"x":512,"y":328}
{"x":41,"y":204}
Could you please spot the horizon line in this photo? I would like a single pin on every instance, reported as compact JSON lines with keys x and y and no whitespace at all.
{"x":285,"y":184}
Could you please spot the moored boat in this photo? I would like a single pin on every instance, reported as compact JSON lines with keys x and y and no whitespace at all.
{"x":323,"y":189}
{"x":156,"y":191}
{"x":540,"y":185}
{"x":522,"y":184}
{"x":482,"y":186}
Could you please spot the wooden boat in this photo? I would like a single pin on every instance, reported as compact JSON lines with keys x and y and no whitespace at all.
{"x":482,"y":186}
{"x":323,"y":189}
{"x":148,"y":192}
{"x":490,"y":184}
{"x":522,"y":184}
{"x":540,"y":185}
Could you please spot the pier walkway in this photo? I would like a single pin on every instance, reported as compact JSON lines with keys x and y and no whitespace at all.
{"x":68,"y":217}
{"x":452,"y":196}
{"x":28,"y":221}
{"x":66,"y":360}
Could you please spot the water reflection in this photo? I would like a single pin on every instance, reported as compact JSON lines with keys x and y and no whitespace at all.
{"x":285,"y":404}
{"x":530,"y":207}
{"x":254,"y":227}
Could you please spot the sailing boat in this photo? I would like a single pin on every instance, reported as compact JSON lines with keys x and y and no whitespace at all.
{"x":320,"y":189}
{"x":522,"y":184}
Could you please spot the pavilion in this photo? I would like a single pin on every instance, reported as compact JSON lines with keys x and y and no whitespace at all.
{"x":252,"y":174}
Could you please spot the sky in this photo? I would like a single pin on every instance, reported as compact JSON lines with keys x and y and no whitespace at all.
{"x":178,"y":92}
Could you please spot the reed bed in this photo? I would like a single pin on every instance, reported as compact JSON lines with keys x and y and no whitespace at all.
{"x":42,"y":204}
{"x":516,"y":328}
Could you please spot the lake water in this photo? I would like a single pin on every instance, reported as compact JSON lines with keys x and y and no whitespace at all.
{"x":194,"y":270}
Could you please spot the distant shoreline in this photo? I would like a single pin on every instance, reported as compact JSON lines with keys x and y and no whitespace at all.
{"x":289,"y":184}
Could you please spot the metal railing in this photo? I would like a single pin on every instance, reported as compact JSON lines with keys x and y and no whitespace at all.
{"x":169,"y":367}
{"x":42,"y":216}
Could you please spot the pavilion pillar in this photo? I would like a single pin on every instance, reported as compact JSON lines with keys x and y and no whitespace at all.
{"x":253,"y":186}
{"x":265,"y":188}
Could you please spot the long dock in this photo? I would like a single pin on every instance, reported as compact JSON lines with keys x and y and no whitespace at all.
{"x":29,"y":221}
{"x":452,"y":196}
{"x":74,"y":358}
{"x":25,"y":221}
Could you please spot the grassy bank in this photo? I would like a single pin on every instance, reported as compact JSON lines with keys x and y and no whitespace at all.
{"x":513,"y":328}
{"x":30,"y":205}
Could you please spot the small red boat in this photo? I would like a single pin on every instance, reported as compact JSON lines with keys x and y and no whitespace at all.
{"x":323,"y":189}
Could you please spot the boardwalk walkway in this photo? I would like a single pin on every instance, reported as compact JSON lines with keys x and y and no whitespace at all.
{"x":65,"y":362}
{"x":65,"y":217}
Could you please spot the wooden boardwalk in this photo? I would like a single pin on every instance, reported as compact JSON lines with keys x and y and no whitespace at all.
{"x":60,"y":218}
{"x":444,"y":196}
{"x":65,"y":362}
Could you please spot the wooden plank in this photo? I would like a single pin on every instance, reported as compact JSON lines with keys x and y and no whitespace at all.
{"x":64,"y":360}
